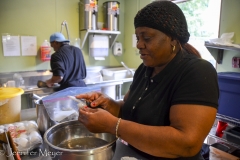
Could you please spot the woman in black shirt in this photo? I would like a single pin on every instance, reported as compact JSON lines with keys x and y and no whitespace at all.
{"x":172,"y":102}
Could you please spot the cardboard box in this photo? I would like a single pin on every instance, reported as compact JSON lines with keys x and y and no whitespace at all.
{"x":216,"y":154}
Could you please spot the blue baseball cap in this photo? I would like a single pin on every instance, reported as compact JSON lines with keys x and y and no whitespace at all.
{"x":58,"y":37}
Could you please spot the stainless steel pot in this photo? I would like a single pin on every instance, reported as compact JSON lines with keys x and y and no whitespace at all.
{"x":72,"y":140}
{"x":43,"y":120}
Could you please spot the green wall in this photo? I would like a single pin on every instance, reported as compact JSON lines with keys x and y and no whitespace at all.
{"x":111,"y":60}
{"x":229,"y":22}
{"x":38,"y":18}
{"x":131,"y":56}
{"x":41,"y":18}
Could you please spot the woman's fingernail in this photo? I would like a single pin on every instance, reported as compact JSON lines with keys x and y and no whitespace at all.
{"x":93,"y":103}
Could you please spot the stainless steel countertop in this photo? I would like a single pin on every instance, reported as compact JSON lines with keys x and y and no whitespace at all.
{"x":105,"y":82}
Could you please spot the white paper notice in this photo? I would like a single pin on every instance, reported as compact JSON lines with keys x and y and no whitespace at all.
{"x":29,"y":45}
{"x":11,"y":45}
{"x":99,"y":58}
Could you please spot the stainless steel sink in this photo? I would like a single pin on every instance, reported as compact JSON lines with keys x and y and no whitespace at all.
{"x":36,"y":90}
{"x":28,"y":98}
{"x":117,"y":73}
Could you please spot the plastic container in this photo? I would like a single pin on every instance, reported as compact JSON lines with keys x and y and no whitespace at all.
{"x":45,"y":51}
{"x":229,"y":101}
{"x":24,"y":135}
{"x":10,"y":105}
{"x":58,"y":106}
{"x":217,"y":154}
{"x":221,"y":147}
{"x":93,"y":77}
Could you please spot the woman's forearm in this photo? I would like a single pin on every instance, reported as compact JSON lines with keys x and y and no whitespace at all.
{"x":115,"y":107}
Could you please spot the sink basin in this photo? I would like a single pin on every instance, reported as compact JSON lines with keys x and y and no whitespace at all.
{"x":36,"y":90}
{"x":93,"y":77}
{"x":116,"y":73}
{"x":43,"y":91}
{"x":28,"y":87}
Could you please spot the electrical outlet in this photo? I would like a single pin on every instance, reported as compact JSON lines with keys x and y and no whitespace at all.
{"x":236,"y":62}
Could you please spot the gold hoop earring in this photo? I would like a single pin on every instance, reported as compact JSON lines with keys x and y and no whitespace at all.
{"x":173,"y":49}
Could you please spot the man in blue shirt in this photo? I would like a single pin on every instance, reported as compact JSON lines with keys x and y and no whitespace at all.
{"x":67,"y":64}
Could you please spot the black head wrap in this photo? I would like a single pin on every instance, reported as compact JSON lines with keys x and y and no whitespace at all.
{"x":166,"y":17}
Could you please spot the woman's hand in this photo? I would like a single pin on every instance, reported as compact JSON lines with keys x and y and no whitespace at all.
{"x":97,"y":99}
{"x":97,"y":120}
{"x":49,"y":83}
{"x":53,"y":79}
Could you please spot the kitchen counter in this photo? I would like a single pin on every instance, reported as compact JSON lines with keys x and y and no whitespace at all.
{"x":28,"y":111}
{"x":105,"y":82}
{"x":112,"y":85}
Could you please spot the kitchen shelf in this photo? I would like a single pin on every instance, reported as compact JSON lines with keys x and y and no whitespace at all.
{"x":221,"y":49}
{"x":229,"y":120}
{"x":221,"y":139}
{"x":224,"y":140}
{"x":112,"y":35}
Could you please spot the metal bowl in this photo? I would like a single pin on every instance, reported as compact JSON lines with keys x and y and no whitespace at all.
{"x":72,"y":140}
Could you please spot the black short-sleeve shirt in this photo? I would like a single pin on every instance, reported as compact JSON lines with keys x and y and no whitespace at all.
{"x":69,"y":63}
{"x":185,"y":80}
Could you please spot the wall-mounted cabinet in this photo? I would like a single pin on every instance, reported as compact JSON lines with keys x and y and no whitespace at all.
{"x":84,"y":34}
{"x":221,"y":49}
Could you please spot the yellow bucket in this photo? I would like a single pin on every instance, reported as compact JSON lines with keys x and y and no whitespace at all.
{"x":10,"y":105}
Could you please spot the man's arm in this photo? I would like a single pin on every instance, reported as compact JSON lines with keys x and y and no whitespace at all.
{"x":54,"y":79}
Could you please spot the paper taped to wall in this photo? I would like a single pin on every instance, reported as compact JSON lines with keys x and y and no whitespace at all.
{"x":99,"y":58}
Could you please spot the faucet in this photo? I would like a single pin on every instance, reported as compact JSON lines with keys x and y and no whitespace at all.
{"x":64,"y":23}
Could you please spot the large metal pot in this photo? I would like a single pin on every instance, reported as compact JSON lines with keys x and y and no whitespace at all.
{"x":43,"y":120}
{"x":72,"y":140}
